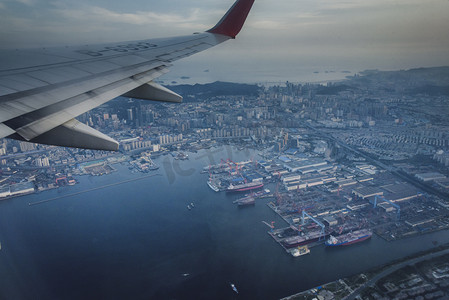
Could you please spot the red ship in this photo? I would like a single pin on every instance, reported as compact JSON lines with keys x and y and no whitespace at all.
{"x":349,"y":238}
{"x":244,"y":187}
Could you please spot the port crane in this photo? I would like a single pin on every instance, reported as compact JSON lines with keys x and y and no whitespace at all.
{"x":256,"y":164}
{"x":228,"y":163}
{"x":234,"y":168}
{"x":237,"y":170}
{"x":322,"y":233}
{"x":229,"y":166}
{"x":277,"y":195}
{"x":398,"y":208}
{"x":269,"y":225}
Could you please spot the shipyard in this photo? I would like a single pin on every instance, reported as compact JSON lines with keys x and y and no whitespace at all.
{"x":324,"y":202}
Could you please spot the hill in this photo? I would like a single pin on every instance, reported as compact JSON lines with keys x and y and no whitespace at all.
{"x":210,"y":90}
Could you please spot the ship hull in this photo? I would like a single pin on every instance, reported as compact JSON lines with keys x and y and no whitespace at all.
{"x":286,"y":245}
{"x":306,"y":242}
{"x":246,"y":203}
{"x":244,"y":189}
{"x":302,"y":242}
{"x":347,"y":243}
{"x":349,"y":238}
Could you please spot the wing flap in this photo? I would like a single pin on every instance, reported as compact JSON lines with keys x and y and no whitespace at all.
{"x":76,"y":134}
{"x":46,"y":96}
{"x":38,"y":122}
{"x":5,"y":130}
{"x":155,"y":92}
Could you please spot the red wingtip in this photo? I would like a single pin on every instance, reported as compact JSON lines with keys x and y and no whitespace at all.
{"x":232,"y":22}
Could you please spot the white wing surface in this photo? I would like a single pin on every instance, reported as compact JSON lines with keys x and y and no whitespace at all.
{"x":43,"y":90}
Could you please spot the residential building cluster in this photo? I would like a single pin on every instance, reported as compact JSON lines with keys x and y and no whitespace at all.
{"x":386,"y":124}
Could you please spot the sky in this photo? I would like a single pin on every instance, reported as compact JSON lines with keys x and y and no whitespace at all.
{"x":295,"y":40}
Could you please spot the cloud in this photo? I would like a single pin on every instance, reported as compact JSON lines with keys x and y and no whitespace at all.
{"x":75,"y":23}
{"x":269,"y":25}
{"x":26,"y":2}
{"x":99,"y":14}
{"x":277,"y":32}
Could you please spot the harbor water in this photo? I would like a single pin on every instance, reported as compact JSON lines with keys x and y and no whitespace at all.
{"x":138,"y":240}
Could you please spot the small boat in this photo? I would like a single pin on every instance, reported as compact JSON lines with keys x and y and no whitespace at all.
{"x":192,"y":205}
{"x":188,"y":207}
{"x":300,"y":251}
{"x":185,"y":274}
{"x":234,"y":288}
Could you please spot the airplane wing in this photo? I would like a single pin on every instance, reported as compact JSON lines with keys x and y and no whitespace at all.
{"x":43,"y":90}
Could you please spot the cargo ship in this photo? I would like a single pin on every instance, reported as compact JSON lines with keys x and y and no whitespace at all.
{"x":244,"y":187}
{"x":213,"y":186}
{"x":300,"y":240}
{"x":246,"y":201}
{"x":349,"y":238}
{"x":247,"y":197}
{"x":259,"y":193}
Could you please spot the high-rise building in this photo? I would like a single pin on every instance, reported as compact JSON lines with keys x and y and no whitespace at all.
{"x":130,"y":114}
{"x":45,"y":162}
{"x":25,"y":146}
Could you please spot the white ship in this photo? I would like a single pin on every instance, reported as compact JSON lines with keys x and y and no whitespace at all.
{"x":234,"y":288}
{"x":213,"y":186}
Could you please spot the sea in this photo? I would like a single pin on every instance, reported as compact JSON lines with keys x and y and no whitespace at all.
{"x":138,"y":240}
{"x":265,"y":77}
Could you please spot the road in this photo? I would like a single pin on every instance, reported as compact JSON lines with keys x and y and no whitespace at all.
{"x":392,"y":269}
{"x":393,"y":170}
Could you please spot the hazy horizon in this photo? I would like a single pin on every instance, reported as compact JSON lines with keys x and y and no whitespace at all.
{"x":279,"y":40}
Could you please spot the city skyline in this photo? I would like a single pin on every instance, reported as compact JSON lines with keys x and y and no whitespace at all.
{"x":280,"y":40}
{"x":366,"y":161}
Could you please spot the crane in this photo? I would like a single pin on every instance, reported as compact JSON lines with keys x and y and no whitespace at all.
{"x":269,"y":225}
{"x":254,"y":162}
{"x":278,"y":196}
{"x":322,"y":233}
{"x":398,"y":208}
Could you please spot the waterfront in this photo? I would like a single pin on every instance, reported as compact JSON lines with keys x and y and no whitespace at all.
{"x":136,"y":240}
